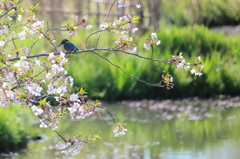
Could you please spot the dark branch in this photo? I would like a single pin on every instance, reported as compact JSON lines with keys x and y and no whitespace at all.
{"x":91,"y":50}
{"x":9,"y":9}
{"x":108,"y":113}
{"x":52,"y":129}
{"x":156,"y":85}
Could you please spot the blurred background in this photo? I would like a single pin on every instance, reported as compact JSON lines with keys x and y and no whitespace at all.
{"x":197,"y":119}
{"x":209,"y":29}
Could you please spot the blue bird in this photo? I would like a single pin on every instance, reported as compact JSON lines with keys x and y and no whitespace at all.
{"x":69,"y":46}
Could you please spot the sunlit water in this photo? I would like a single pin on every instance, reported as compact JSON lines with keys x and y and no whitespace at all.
{"x":183,"y":129}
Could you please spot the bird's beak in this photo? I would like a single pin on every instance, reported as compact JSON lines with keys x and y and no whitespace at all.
{"x":59,"y":45}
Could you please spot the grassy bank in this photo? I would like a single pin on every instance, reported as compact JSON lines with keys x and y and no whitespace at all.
{"x":14,"y":128}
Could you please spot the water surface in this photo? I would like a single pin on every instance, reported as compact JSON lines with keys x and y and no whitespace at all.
{"x":182,"y":129}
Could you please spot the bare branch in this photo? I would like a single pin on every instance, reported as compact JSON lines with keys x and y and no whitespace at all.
{"x":33,"y":45}
{"x":44,"y":34}
{"x":156,"y":85}
{"x":147,"y":58}
{"x":86,"y":41}
{"x":107,"y":112}
{"x":94,"y":49}
{"x":52,"y":129}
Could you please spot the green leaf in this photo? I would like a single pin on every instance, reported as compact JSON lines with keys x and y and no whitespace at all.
{"x":43,"y":101}
{"x":97,"y":137}
{"x":82,"y":91}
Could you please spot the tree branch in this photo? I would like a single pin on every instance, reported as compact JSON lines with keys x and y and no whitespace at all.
{"x":94,"y":49}
{"x":108,"y":113}
{"x":156,"y":85}
{"x":90,"y":36}
{"x":9,"y":9}
{"x":52,"y":129}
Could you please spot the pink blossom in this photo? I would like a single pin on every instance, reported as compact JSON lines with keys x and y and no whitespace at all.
{"x":4,"y":29}
{"x":89,"y":27}
{"x":193,"y":71}
{"x":23,"y":58}
{"x":36,"y":110}
{"x":10,"y":18}
{"x":2,"y":43}
{"x":74,"y":97}
{"x":19,"y":18}
{"x":22,"y":35}
{"x":154,"y":35}
{"x":146,"y":46}
{"x":51,"y":56}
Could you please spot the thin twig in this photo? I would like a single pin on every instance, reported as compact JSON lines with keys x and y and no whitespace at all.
{"x":99,"y":35}
{"x":86,"y":41}
{"x":152,"y":52}
{"x":44,"y":34}
{"x":52,"y":129}
{"x":108,"y":113}
{"x":33,"y":45}
{"x":142,"y":57}
{"x":17,"y":53}
{"x":156,"y":85}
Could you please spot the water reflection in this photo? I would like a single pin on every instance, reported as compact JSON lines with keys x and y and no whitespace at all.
{"x":184,"y":129}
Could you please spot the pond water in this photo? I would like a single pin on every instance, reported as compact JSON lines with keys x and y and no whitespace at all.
{"x":181,"y":129}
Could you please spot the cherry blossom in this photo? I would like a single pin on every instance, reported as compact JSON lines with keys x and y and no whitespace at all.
{"x":22,"y":35}
{"x":36,"y":110}
{"x":19,"y":18}
{"x":2,"y":43}
{"x":89,"y":27}
{"x":151,"y":42}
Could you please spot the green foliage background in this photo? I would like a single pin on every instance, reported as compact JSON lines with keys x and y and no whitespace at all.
{"x":220,"y":55}
{"x":211,"y":13}
{"x":15,"y":130}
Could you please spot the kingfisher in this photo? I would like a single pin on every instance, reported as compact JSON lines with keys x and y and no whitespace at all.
{"x":69,"y":46}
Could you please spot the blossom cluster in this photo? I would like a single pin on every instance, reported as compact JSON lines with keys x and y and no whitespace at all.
{"x":198,"y":67}
{"x":151,"y":42}
{"x":21,"y":86}
{"x":67,"y":147}
{"x":124,"y":3}
{"x":181,"y":63}
{"x":7,"y":96}
{"x":119,"y":130}
{"x":73,"y":146}
{"x":167,"y":80}
{"x":36,"y":27}
{"x":125,"y":43}
{"x":34,"y":83}
{"x":123,"y":25}
{"x":73,"y":28}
